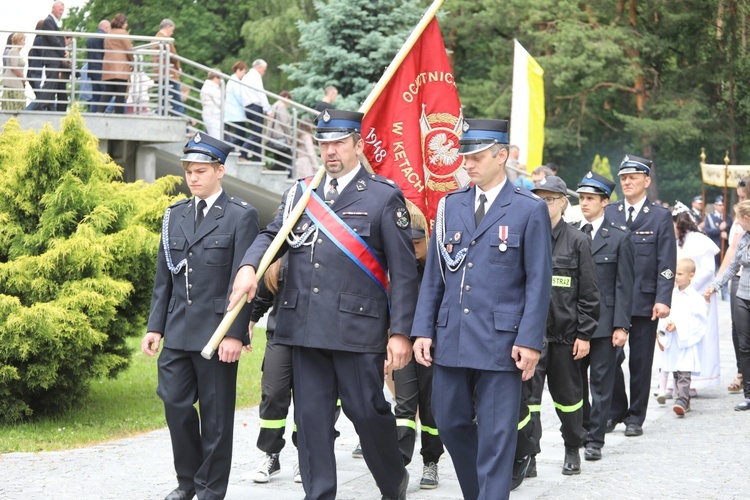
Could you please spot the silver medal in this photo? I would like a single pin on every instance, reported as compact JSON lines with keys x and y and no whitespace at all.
{"x":502,"y":247}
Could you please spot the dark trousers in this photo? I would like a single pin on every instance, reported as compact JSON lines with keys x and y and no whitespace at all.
{"x":320,"y":377}
{"x":563,"y":375}
{"x":202,"y":446}
{"x":97,"y":97}
{"x":735,"y":281}
{"x":742,"y":322}
{"x":46,"y":94}
{"x":238,"y":134}
{"x":175,"y":99}
{"x":116,"y":90}
{"x":276,"y":396}
{"x":602,"y":360}
{"x":254,"y":114}
{"x":641,"y":341}
{"x":414,"y":393}
{"x":477,"y":414}
{"x":527,"y":444}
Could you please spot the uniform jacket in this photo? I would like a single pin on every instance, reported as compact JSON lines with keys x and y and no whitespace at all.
{"x":328,"y":301}
{"x":213,"y":257}
{"x":612,"y":251}
{"x":574,"y":304}
{"x":118,"y":58}
{"x":52,"y":47}
{"x":652,"y":233}
{"x":496,"y":299}
{"x":711,"y":226}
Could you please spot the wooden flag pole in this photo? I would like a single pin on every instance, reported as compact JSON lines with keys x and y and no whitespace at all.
{"x":213,"y":344}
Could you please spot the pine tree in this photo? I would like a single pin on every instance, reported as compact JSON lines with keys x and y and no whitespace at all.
{"x":349,"y":45}
{"x":77,"y":259}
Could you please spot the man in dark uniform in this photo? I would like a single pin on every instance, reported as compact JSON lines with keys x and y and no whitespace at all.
{"x":203,"y":241}
{"x":44,"y":70}
{"x":652,"y":233}
{"x":612,"y":250}
{"x":571,"y":322}
{"x":483,"y":303}
{"x":347,"y":254}
{"x":717,"y":226}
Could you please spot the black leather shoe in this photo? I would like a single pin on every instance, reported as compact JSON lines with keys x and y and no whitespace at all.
{"x":611,"y":424}
{"x":178,"y":494}
{"x":592,"y":454}
{"x":572,"y":465}
{"x":401,"y":495}
{"x":519,"y":471}
{"x":633,"y":430}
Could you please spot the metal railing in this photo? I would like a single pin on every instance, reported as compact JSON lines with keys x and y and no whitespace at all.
{"x":57,"y":76}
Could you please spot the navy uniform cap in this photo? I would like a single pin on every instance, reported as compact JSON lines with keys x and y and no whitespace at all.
{"x":202,"y":148}
{"x":698,"y":199}
{"x":635,"y":165}
{"x":335,"y":124}
{"x":594,"y":183}
{"x":551,"y":183}
{"x":479,"y":135}
{"x":719,"y":200}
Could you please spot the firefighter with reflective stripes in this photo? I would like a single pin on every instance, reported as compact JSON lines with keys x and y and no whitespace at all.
{"x":571,"y":322}
{"x":414,"y":386}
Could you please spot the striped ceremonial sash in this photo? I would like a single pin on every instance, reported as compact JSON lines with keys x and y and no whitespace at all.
{"x":346,"y":239}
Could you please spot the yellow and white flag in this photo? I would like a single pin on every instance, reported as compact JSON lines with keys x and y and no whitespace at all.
{"x":527,"y":108}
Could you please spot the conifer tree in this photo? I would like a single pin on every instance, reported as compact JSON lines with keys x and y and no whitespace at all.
{"x":77,"y":259}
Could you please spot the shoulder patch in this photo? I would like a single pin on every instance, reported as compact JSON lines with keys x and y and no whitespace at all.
{"x":180,"y":202}
{"x":667,"y":273}
{"x":402,"y":217}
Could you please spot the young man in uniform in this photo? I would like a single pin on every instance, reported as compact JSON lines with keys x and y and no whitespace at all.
{"x":203,"y":241}
{"x":571,"y":322}
{"x":612,"y":250}
{"x":483,"y":304}
{"x":349,"y":253}
{"x":652,"y":233}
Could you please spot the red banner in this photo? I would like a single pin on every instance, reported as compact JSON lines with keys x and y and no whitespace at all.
{"x":411,"y":132}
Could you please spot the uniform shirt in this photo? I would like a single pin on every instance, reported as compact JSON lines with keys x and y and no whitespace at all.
{"x":490,"y":194}
{"x":638,"y":206}
{"x":574,"y":305}
{"x":209,"y":202}
{"x":343,"y":180}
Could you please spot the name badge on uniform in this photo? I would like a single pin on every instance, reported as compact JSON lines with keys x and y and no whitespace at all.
{"x":503,"y":238}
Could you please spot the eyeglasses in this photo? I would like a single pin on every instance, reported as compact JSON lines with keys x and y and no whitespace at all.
{"x":551,"y":199}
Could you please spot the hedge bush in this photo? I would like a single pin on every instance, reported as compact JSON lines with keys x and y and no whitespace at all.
{"x":77,"y":258}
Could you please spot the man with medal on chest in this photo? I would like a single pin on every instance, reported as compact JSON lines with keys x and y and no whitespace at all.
{"x":349,"y":253}
{"x":483,"y":305}
{"x":652,"y":232}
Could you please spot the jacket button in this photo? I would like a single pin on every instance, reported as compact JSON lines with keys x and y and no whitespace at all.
{"x":473,"y":243}
{"x":315,"y":290}
{"x":216,"y":242}
{"x":470,"y":265}
{"x":361,"y":309}
{"x":190,"y":270}
{"x":606,"y":258}
{"x":316,"y":265}
{"x":190,"y":254}
{"x":286,"y":302}
{"x":355,"y":229}
{"x":467,"y":288}
{"x":466,"y":311}
{"x":190,"y":302}
{"x":320,"y":240}
{"x":515,"y":327}
{"x":190,"y":286}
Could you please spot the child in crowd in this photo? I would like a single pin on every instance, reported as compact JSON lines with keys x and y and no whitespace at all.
{"x":679,"y":335}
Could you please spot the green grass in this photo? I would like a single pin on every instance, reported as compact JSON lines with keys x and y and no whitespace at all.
{"x":121,"y":407}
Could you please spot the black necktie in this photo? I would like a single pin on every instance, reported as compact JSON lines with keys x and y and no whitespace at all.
{"x":199,"y":215}
{"x":630,"y":216}
{"x":587,"y":229}
{"x":479,"y":214}
{"x":332,"y":193}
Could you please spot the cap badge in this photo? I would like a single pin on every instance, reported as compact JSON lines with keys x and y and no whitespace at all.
{"x":197,"y":137}
{"x":626,"y":159}
{"x":326,"y":116}
{"x":543,"y":181}
{"x":465,"y":126}
{"x":589,"y":175}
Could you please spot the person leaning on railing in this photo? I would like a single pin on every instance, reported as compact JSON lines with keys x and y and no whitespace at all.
{"x":117,"y":64}
{"x":13,"y":77}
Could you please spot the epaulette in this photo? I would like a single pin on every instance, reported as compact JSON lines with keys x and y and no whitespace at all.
{"x":459,"y":190}
{"x":623,"y":229}
{"x":525,"y":192}
{"x":239,"y":201}
{"x":180,"y":202}
{"x":659,"y":206}
{"x":383,"y":180}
